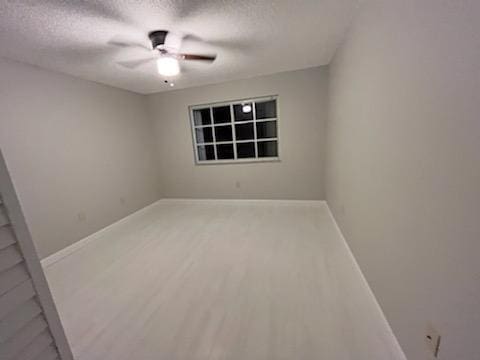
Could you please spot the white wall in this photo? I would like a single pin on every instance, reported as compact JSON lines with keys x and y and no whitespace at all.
{"x":403,"y":165}
{"x":73,"y":146}
{"x":302,"y":114}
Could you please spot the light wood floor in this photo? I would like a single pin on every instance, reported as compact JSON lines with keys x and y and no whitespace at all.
{"x":187,"y":280}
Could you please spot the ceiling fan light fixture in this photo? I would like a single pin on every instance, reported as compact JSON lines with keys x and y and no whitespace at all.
{"x":168,"y":66}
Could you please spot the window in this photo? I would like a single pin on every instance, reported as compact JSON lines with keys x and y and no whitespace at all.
{"x":237,"y":131}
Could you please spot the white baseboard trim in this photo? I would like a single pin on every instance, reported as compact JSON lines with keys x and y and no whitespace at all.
{"x":53,"y":258}
{"x":59,"y":255}
{"x":243,"y":201}
{"x":398,"y":349}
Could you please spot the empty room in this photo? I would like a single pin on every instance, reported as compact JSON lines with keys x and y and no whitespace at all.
{"x":240,"y":180}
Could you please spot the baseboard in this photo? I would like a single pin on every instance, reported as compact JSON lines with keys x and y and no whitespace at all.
{"x":53,"y":258}
{"x":59,"y":255}
{"x":244,"y":201}
{"x":367,"y":286}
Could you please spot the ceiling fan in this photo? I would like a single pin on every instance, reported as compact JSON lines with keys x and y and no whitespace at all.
{"x":166,"y":48}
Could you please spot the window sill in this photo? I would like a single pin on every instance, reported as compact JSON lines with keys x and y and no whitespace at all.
{"x":238,"y":161}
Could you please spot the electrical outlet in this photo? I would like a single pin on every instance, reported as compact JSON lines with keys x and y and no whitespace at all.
{"x":122,"y":201}
{"x":433,"y":338}
{"x":237,"y":184}
{"x":81,"y":216}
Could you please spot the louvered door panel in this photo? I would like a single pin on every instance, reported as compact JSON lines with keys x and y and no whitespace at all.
{"x":18,"y":318}
{"x":9,"y":257}
{"x":28,"y":319}
{"x":35,"y":349}
{"x":6,"y":237}
{"x":18,"y":295}
{"x":23,"y":328}
{"x":50,"y":353}
{"x":22,"y":338}
{"x":12,"y":277}
{"x":3,"y":215}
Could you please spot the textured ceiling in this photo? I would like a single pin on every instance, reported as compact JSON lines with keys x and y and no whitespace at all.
{"x":251,"y":37}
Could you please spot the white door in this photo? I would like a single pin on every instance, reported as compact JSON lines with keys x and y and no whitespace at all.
{"x":30,"y":328}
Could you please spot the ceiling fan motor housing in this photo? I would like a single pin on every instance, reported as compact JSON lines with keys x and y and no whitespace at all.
{"x":158,"y":38}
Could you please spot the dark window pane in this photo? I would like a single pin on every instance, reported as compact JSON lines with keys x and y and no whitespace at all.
{"x":246,"y":150}
{"x":202,"y":117}
{"x":266,"y":109}
{"x":266,"y":129}
{"x":225,"y":151}
{"x":221,"y":114}
{"x":206,"y":152}
{"x":223,"y":133}
{"x":267,"y":148}
{"x":240,"y":115}
{"x":244,"y":131}
{"x":204,"y":135}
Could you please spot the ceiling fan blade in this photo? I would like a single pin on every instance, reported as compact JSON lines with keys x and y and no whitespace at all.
{"x":230,"y":44}
{"x":133,"y":64}
{"x":209,"y":58}
{"x":128,"y":43}
{"x":124,"y":44}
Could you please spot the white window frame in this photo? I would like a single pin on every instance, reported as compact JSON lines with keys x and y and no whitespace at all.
{"x":232,"y":123}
